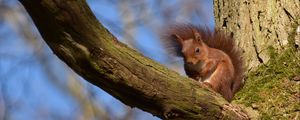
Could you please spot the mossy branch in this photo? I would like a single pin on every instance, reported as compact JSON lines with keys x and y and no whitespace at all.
{"x":77,"y":38}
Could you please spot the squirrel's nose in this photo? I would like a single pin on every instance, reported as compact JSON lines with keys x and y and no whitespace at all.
{"x":189,"y":62}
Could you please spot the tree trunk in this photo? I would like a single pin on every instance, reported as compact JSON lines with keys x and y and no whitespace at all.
{"x":258,"y":25}
{"x":77,"y":38}
{"x":266,"y":30}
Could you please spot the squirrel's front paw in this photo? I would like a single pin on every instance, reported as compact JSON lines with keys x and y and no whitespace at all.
{"x":206,"y":85}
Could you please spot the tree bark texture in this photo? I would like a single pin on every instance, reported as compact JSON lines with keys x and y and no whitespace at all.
{"x":258,"y":25}
{"x":77,"y":38}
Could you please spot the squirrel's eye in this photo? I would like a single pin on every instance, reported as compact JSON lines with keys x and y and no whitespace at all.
{"x":197,"y":50}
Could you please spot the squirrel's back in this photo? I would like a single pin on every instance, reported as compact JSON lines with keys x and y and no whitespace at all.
{"x":214,"y":39}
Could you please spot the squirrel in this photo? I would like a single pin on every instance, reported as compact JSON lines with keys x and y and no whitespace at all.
{"x":209,"y":56}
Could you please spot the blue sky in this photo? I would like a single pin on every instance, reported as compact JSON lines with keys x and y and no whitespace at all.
{"x":25,"y":85}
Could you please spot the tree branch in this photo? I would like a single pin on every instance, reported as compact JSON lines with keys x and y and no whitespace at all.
{"x":77,"y":38}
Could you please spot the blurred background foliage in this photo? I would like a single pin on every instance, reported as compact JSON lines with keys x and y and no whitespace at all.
{"x":36,"y":85}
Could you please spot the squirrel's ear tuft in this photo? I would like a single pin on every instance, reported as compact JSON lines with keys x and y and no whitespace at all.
{"x":197,"y":35}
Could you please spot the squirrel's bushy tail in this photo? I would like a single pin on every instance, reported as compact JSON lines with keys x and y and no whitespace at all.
{"x":221,"y":41}
{"x":214,"y":39}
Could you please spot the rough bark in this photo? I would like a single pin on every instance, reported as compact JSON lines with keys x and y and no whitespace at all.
{"x":258,"y":25}
{"x":77,"y":38}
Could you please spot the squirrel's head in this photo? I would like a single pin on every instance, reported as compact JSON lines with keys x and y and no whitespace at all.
{"x":193,"y":49}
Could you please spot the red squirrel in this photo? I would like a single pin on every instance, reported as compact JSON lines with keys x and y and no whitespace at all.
{"x":209,"y":56}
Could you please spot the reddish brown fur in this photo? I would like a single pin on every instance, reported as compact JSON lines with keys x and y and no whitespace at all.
{"x":219,"y":62}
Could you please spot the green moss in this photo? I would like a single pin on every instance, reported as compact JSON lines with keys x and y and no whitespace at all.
{"x":271,"y":88}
